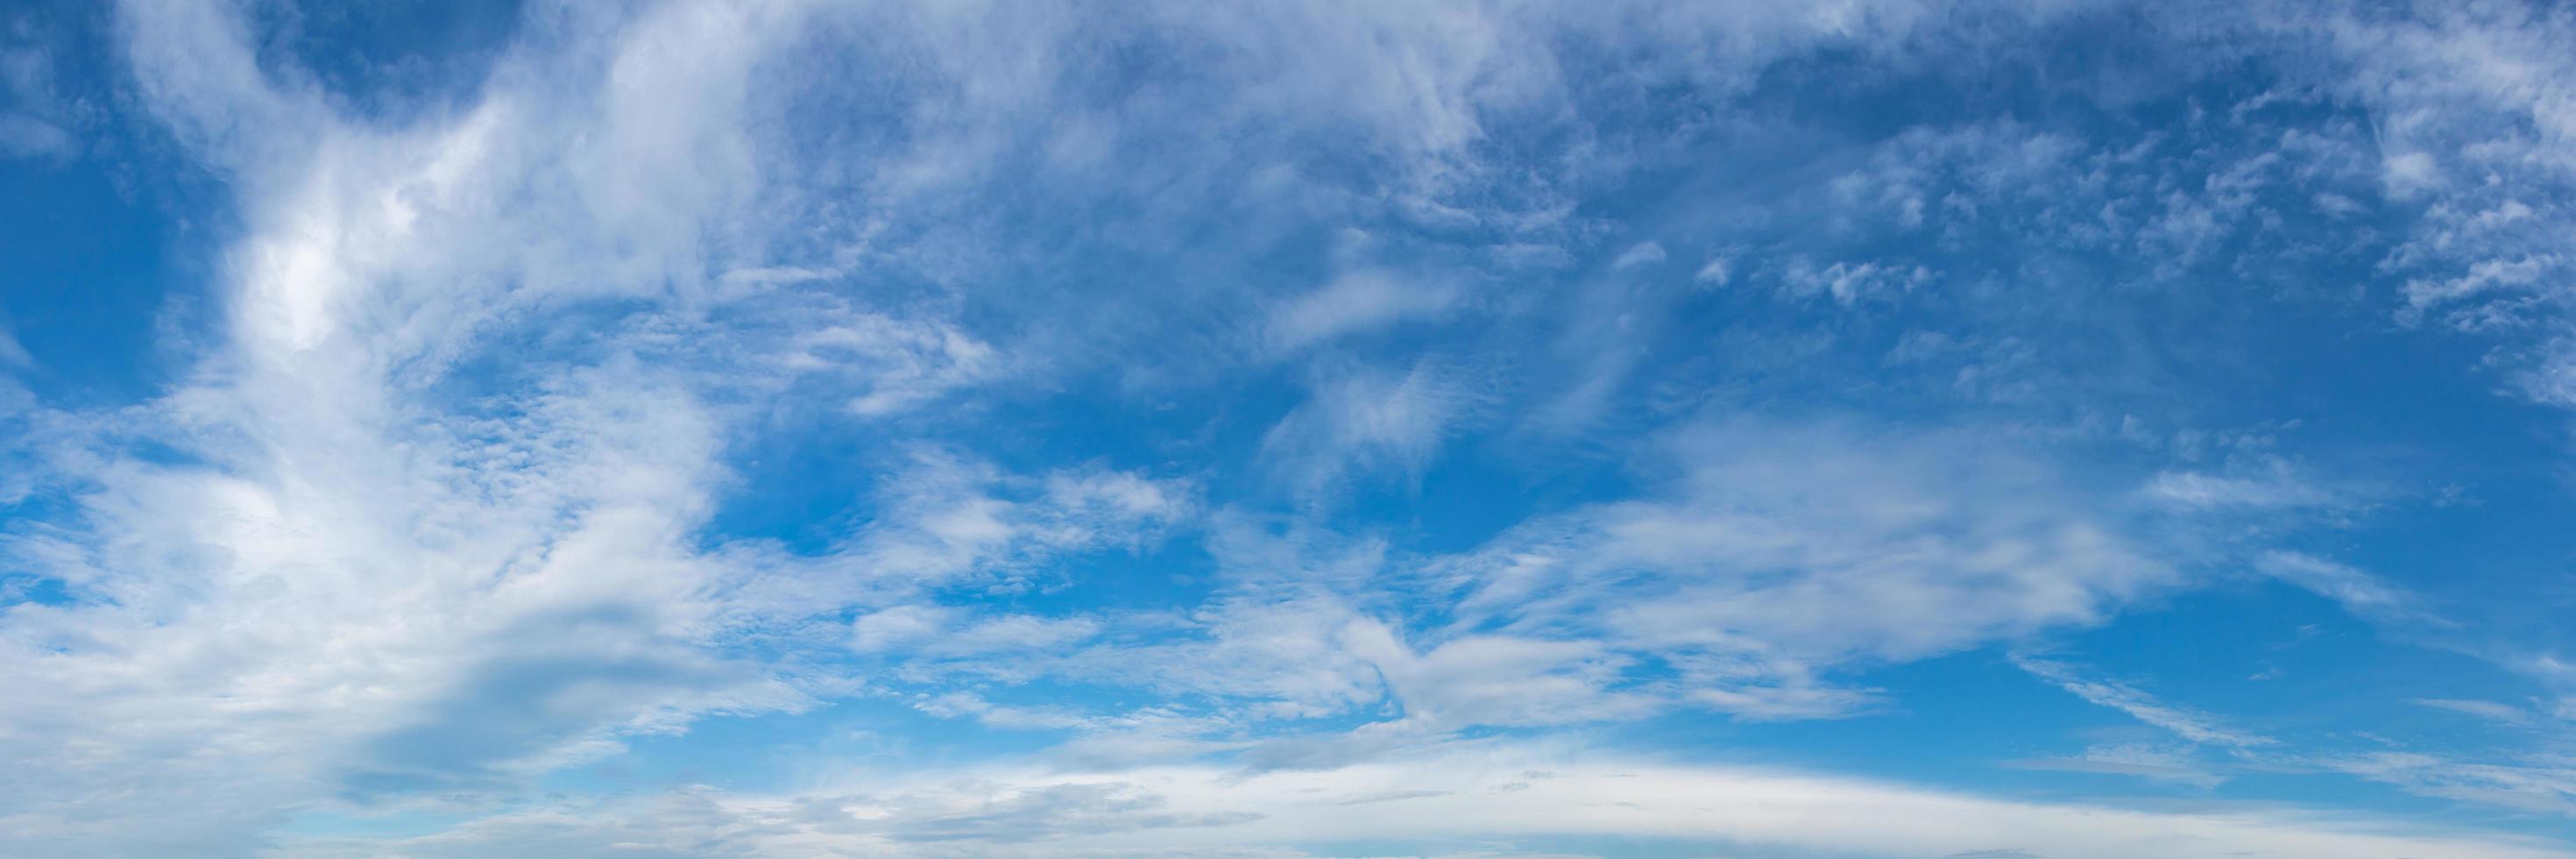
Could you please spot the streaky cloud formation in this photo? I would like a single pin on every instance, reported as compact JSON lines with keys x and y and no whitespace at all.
{"x":791,"y":428}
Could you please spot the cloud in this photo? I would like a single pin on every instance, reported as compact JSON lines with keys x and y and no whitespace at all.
{"x":2141,"y":760}
{"x":2489,"y":710}
{"x":1641,"y":255}
{"x":1847,"y":282}
{"x":429,"y":513}
{"x":33,"y":112}
{"x":1718,"y":271}
{"x":2546,"y":789}
{"x":1004,"y":635}
{"x":2358,"y":592}
{"x":2185,"y":723}
{"x":1777,"y":552}
{"x":12,"y":354}
{"x":1782,"y":554}
{"x":23,"y":136}
{"x":443,"y":511}
{"x":2192,"y":489}
{"x":895,"y":363}
{"x":1352,"y":303}
{"x":1369,"y":423}
{"x":1484,"y":795}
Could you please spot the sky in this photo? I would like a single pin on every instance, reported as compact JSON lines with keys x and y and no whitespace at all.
{"x":797,"y":428}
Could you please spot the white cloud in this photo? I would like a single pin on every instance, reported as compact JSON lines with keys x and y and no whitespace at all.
{"x":895,"y":363}
{"x":902,"y":625}
{"x":2547,"y":789}
{"x":1355,"y":302}
{"x":2277,"y":488}
{"x":1778,"y":552}
{"x":2360,"y":593}
{"x":439,"y":515}
{"x":430,"y":523}
{"x":2185,"y":723}
{"x":1369,"y":423}
{"x":1494,"y":796}
{"x":23,"y":136}
{"x":1640,"y":255}
{"x":2149,"y":761}
{"x":1502,"y":680}
{"x":2410,"y":173}
{"x":12,"y":354}
{"x":2488,"y":710}
{"x":2482,"y":276}
{"x":946,"y":521}
{"x":1847,"y":282}
{"x":32,"y":113}
{"x":1718,"y":271}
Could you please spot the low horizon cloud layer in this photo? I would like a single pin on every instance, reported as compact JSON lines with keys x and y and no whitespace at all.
{"x":789,"y":428}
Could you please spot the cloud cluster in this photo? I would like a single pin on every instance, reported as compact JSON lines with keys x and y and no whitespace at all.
{"x":1124,"y":363}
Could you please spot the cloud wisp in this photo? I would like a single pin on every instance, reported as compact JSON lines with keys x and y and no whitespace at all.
{"x":789,"y":428}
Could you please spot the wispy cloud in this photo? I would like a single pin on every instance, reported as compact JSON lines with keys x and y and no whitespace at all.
{"x":1197,"y":430}
{"x":2183,"y":722}
{"x":1465,"y":793}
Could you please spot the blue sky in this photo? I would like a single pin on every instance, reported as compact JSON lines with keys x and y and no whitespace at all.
{"x":781,"y":428}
